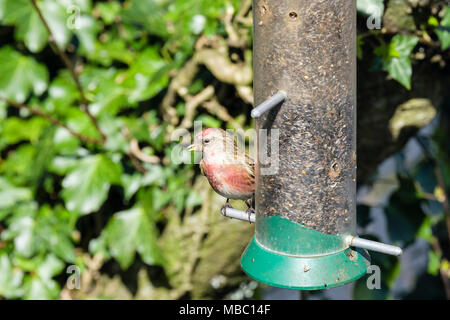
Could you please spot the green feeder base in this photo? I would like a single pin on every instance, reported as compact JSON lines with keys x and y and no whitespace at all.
{"x":304,"y":273}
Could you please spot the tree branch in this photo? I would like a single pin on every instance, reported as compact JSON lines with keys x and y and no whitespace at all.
{"x":70,"y":67}
{"x":192,"y":102}
{"x":435,"y":242}
{"x":137,"y":153}
{"x":445,"y":278}
{"x":440,"y":181}
{"x":55,"y":121}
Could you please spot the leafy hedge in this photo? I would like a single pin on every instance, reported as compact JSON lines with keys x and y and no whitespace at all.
{"x":90,"y":93}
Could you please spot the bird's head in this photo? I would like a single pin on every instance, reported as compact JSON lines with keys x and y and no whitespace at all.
{"x":209,"y":140}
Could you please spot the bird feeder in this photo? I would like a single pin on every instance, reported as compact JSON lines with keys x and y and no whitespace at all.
{"x":305,"y":89}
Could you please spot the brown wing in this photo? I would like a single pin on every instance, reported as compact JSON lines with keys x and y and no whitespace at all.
{"x":202,"y":169}
{"x":250,"y":167}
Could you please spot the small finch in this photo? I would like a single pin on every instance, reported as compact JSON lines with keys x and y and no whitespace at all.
{"x":229,"y":169}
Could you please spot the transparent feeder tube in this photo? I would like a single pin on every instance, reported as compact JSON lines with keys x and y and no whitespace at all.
{"x":306,"y":151}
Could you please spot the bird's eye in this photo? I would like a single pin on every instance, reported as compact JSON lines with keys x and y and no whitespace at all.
{"x":207,"y":140}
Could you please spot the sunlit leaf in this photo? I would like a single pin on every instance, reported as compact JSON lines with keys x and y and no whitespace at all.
{"x":21,"y":75}
{"x":15,"y":129}
{"x":443,"y":31}
{"x":147,"y":13}
{"x":370,"y":7}
{"x":29,"y":26}
{"x":396,"y":60}
{"x":87,"y":185}
{"x":129,"y":232}
{"x":10,"y":278}
{"x":37,"y":288}
{"x":10,"y":194}
{"x":434,"y":263}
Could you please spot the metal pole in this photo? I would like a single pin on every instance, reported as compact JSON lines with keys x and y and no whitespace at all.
{"x":373,"y":245}
{"x":238,"y":214}
{"x":273,"y":101}
{"x":349,"y":240}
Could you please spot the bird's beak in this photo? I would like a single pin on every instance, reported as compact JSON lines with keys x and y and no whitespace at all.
{"x":192,"y":147}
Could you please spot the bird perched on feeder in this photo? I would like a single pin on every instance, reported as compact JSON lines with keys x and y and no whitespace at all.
{"x":229,"y":169}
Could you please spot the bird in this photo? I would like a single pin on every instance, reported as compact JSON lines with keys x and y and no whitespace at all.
{"x":229,"y":170}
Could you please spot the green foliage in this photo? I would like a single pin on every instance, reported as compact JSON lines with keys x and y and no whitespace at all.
{"x":443,"y":31}
{"x":68,"y":197}
{"x":87,"y":184}
{"x":395,"y":58}
{"x":52,"y":178}
{"x":21,"y":75}
{"x":31,"y":30}
{"x":10,"y":194}
{"x":129,"y":232}
{"x":369,"y":8}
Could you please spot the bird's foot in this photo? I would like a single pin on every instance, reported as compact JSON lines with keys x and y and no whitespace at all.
{"x":224,"y":207}
{"x":250,"y":211}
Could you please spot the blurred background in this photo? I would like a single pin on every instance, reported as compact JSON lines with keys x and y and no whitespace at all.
{"x":91,"y":205}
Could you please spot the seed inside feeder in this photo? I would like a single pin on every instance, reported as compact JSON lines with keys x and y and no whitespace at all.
{"x":314,"y":184}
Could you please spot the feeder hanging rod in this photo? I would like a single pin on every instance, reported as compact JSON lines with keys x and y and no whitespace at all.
{"x":238,"y":214}
{"x":273,"y":101}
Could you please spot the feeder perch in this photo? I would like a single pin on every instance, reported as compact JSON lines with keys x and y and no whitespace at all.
{"x":305,"y":91}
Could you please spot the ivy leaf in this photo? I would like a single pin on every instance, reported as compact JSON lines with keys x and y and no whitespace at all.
{"x":86,"y":31}
{"x":29,"y":27}
{"x":56,"y":16}
{"x":10,"y":279}
{"x":40,"y":289}
{"x":147,"y":13}
{"x":54,"y":227}
{"x":147,"y":76}
{"x":78,"y":121}
{"x":396,"y":59}
{"x":24,"y":239}
{"x":404,"y":44}
{"x":373,"y":8}
{"x":425,"y":231}
{"x":86,"y":186}
{"x":62,"y":92}
{"x":432,"y":21}
{"x":110,"y":96}
{"x":62,"y":165}
{"x":98,"y":245}
{"x":21,"y":75}
{"x":209,"y":121}
{"x":443,"y":31}
{"x":193,"y":199}
{"x":50,"y":267}
{"x":18,"y":165}
{"x":154,"y":175}
{"x":131,"y":184}
{"x":15,"y":129}
{"x":400,"y":69}
{"x":434,"y":263}
{"x":108,"y":11}
{"x":129,"y":232}
{"x":10,"y":195}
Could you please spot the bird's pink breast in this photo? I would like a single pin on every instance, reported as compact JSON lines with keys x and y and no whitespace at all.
{"x":230,"y":180}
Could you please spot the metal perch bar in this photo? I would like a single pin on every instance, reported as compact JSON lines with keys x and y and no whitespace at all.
{"x":373,"y":245}
{"x":273,"y":101}
{"x":349,"y":240}
{"x":238,"y":214}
